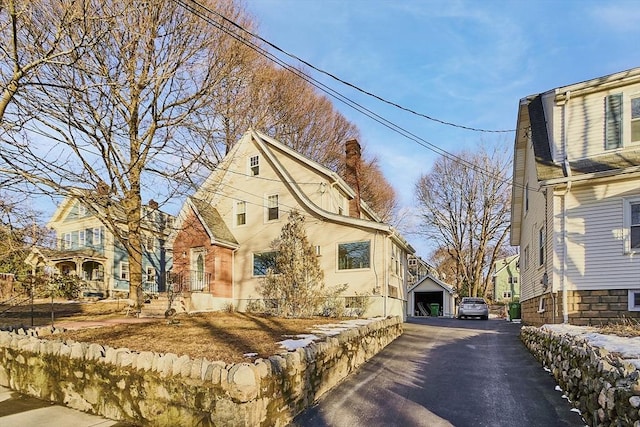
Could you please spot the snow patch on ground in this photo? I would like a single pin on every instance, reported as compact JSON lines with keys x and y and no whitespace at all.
{"x":627,"y":347}
{"x":320,"y":332}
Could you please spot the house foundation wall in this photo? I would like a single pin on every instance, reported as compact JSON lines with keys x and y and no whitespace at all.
{"x":167,"y":390}
{"x":584,"y":308}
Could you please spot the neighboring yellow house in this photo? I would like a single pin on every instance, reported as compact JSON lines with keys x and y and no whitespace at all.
{"x":252,"y":191}
{"x":576,"y":201}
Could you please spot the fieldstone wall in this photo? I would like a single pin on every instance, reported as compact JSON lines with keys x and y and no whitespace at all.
{"x":168,"y":390}
{"x":602,"y":385}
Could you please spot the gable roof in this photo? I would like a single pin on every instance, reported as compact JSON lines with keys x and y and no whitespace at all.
{"x":435,"y":280}
{"x":270,"y":149}
{"x":506,"y":262}
{"x":211,"y":221}
{"x":116,"y":209}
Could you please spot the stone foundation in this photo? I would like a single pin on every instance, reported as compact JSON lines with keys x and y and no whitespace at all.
{"x":168,"y":390}
{"x":602,"y":385}
{"x":585,"y":308}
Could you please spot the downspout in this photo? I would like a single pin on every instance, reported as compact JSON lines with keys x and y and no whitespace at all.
{"x":567,"y":168}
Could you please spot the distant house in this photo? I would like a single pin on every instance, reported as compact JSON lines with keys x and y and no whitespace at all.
{"x":222,"y":243}
{"x":576,"y":201}
{"x":506,"y":273}
{"x":426,"y":293}
{"x":87,"y":249}
{"x":418,"y":269}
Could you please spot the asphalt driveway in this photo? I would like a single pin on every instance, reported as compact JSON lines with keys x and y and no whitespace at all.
{"x":447,"y":372}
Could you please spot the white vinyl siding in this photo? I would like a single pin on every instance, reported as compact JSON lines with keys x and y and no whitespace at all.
{"x":587,"y":123}
{"x":596,"y":237}
{"x":531,"y":223}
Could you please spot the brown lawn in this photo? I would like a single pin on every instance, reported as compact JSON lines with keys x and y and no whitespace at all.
{"x":215,"y":336}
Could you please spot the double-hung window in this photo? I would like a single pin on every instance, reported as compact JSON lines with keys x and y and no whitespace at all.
{"x":82,"y":238}
{"x":631,"y":219}
{"x":96,"y":236}
{"x":241,"y":213}
{"x":635,"y":119}
{"x":272,"y":207}
{"x":66,"y":242}
{"x":254,"y":165}
{"x":124,"y":271}
{"x":151,"y":275}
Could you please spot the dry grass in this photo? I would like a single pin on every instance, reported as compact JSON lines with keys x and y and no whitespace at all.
{"x":21,"y":315}
{"x":215,"y":336}
{"x":626,"y":327}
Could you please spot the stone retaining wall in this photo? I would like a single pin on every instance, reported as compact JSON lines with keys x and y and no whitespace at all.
{"x":169,"y":390}
{"x":602,"y":385}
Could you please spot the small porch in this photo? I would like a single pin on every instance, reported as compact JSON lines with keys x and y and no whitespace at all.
{"x":88,"y":265}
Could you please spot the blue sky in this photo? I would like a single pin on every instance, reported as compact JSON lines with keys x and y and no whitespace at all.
{"x":466,"y":62}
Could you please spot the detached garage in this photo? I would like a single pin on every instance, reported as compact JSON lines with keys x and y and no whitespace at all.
{"x":424,"y":295}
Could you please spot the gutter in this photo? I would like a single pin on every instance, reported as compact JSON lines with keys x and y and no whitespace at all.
{"x":567,"y":168}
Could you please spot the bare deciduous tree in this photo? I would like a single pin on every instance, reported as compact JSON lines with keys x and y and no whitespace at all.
{"x":464,"y":205}
{"x":122,"y":114}
{"x":19,"y":233}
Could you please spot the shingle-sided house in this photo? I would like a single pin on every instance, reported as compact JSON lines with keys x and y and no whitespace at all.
{"x":86,"y":248}
{"x":576,"y":201}
{"x":222,"y":243}
{"x":506,"y":273}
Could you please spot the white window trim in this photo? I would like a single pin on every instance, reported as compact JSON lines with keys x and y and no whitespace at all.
{"x":236,"y":212}
{"x":626,"y":223}
{"x":267,"y":207}
{"x":250,"y":167}
{"x":542,"y":305}
{"x":122,"y":263}
{"x":97,"y":231}
{"x":82,"y":238}
{"x":630,"y":304}
{"x":67,"y":241}
{"x":82,"y":210}
{"x":630,"y":98}
{"x":151,"y":270}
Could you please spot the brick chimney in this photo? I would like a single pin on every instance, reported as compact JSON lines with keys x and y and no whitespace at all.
{"x":352,"y":174}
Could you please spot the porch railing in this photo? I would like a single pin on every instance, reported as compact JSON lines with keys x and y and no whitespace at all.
{"x":190,"y":281}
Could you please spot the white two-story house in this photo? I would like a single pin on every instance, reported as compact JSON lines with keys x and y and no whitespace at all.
{"x":576,"y":201}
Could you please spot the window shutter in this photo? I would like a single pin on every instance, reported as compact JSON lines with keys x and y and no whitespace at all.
{"x":613,"y":127}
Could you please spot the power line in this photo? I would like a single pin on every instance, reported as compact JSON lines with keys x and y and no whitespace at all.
{"x":340,"y":80}
{"x":328,"y":90}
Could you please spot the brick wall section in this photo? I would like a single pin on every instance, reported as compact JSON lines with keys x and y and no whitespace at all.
{"x":585,"y":308}
{"x":193,"y":235}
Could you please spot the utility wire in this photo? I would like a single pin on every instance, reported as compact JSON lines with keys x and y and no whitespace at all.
{"x":340,"y":80}
{"x":330,"y":91}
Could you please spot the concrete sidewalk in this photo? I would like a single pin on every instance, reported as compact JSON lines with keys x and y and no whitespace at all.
{"x":17,"y":410}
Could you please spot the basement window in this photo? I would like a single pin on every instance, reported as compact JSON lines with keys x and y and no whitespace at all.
{"x":542,"y":305}
{"x":634,"y":300}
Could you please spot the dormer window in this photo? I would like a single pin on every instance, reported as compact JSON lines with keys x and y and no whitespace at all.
{"x":254,"y":165}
